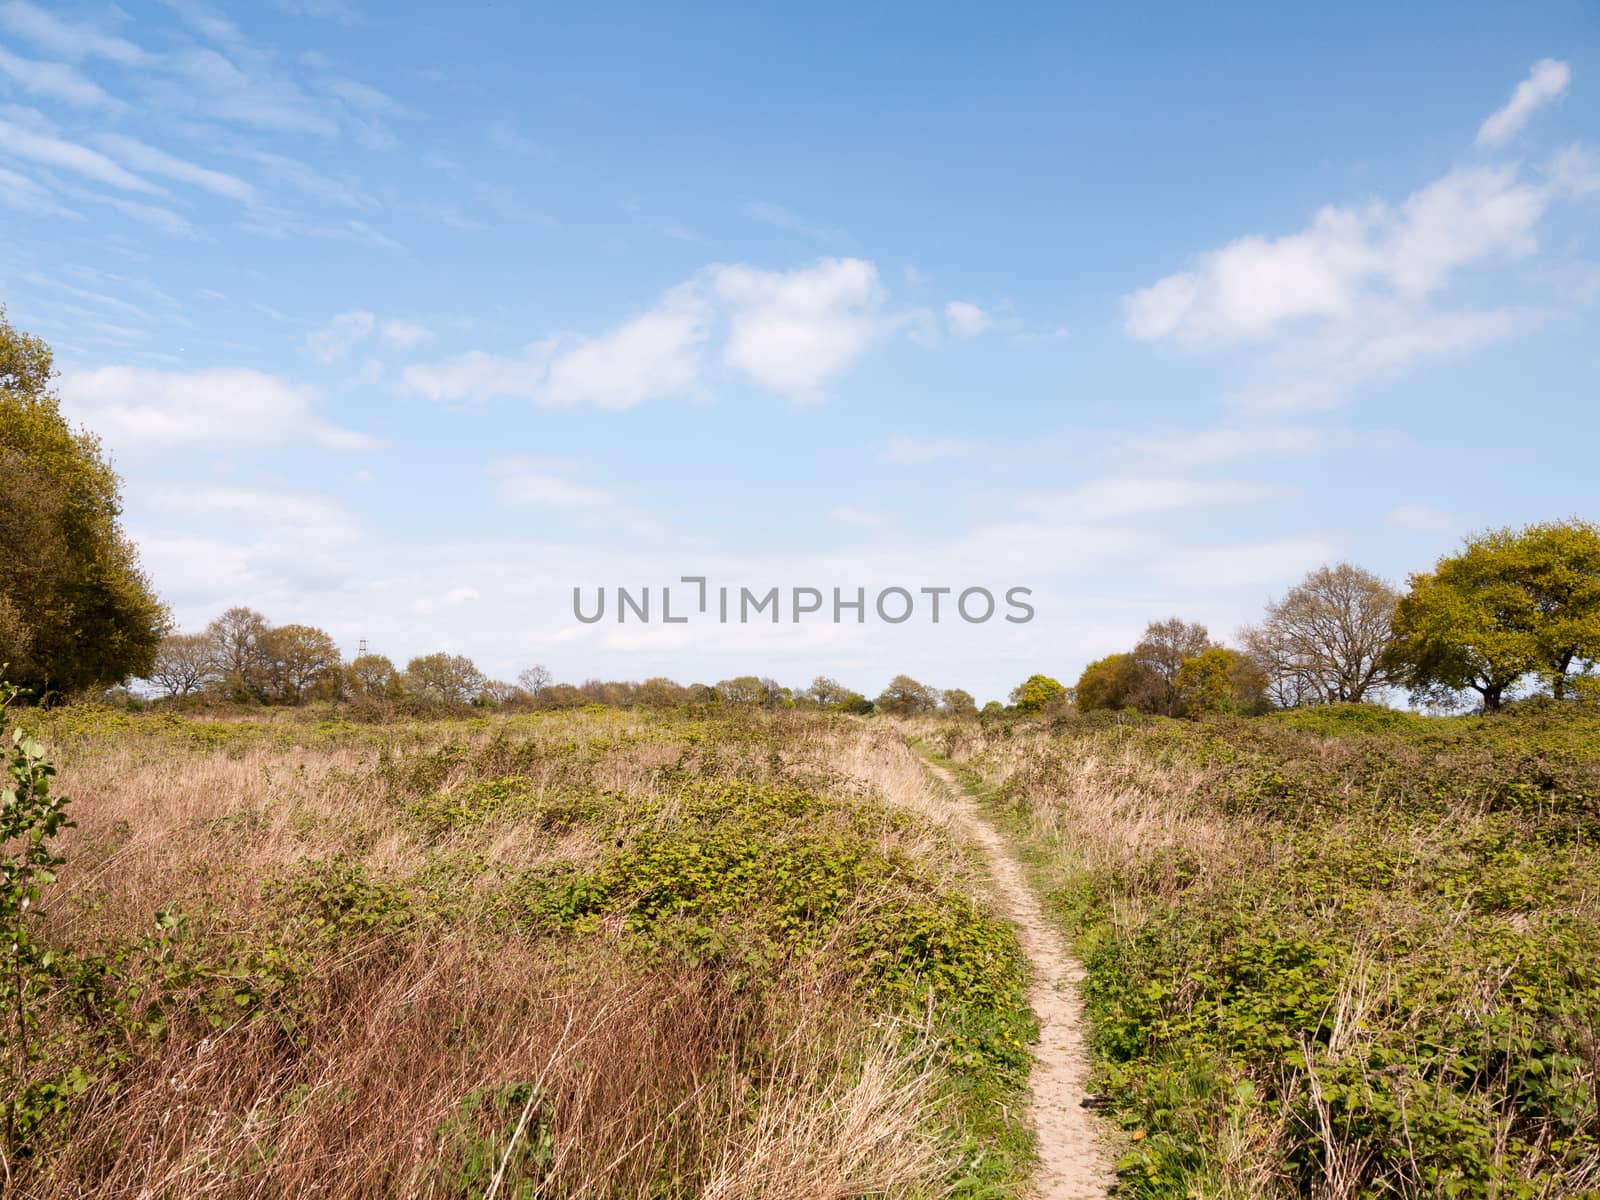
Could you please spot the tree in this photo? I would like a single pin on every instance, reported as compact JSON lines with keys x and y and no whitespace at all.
{"x":748,"y":689}
{"x":372,"y":677}
{"x":1116,"y":682}
{"x":959,"y":703}
{"x":534,"y":680}
{"x":1162,"y":651}
{"x":661,"y":692}
{"x":1039,"y":693}
{"x":236,"y":639}
{"x":183,"y":664}
{"x":1219,"y":680}
{"x":826,"y":692}
{"x":905,"y":697}
{"x":76,"y":611}
{"x":1327,"y":640}
{"x":1510,"y":604}
{"x":498,"y":692}
{"x":450,"y":678}
{"x":297,"y":660}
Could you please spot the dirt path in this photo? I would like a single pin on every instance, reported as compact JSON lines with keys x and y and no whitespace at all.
{"x":1073,"y":1159}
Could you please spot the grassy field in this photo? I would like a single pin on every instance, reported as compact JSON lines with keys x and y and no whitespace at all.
{"x":579,"y":955}
{"x":1337,"y":952}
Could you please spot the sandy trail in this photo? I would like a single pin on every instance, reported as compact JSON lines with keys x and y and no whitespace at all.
{"x":1073,"y":1157}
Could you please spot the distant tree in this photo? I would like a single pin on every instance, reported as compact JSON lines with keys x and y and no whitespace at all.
{"x":1328,"y":639}
{"x":857,"y":704}
{"x":1039,"y":693}
{"x":1162,"y":652}
{"x":534,"y":680}
{"x":959,"y":703}
{"x":496,"y":693}
{"x":992,"y":708}
{"x":450,"y":678}
{"x":236,"y":639}
{"x":827,"y":692}
{"x":1219,"y":680}
{"x":905,"y":697}
{"x":183,"y":664}
{"x":298,"y":660}
{"x":76,"y":610}
{"x":1510,"y":604}
{"x":372,"y":677}
{"x":747,"y":689}
{"x":661,"y":692}
{"x":561,"y":695}
{"x":1116,"y":682}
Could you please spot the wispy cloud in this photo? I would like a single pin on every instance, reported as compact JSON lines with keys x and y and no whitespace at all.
{"x":69,"y":156}
{"x":912,"y":451}
{"x":967,"y":320}
{"x":69,"y":39}
{"x":779,"y":217}
{"x":142,"y":157}
{"x":137,"y":407}
{"x":1546,"y":82}
{"x":56,"y":81}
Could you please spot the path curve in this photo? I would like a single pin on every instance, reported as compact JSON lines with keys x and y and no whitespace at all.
{"x":1073,"y":1156}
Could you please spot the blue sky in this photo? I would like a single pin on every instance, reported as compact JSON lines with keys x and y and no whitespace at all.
{"x":405,"y":320}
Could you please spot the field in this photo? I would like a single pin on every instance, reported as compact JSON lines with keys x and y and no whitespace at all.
{"x":594,"y":954}
{"x":738,"y":952}
{"x":1334,"y":952}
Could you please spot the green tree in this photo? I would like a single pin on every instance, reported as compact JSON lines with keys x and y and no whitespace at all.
{"x":451,"y":678}
{"x":1510,"y":604}
{"x":1220,"y":680}
{"x":1038,"y":693}
{"x":959,"y":703}
{"x":905,"y":697}
{"x":297,"y":662}
{"x":372,"y":677}
{"x":76,"y":611}
{"x":1116,"y":682}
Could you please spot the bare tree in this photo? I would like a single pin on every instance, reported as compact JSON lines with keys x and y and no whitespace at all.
{"x":535,"y":679}
{"x":1328,"y":639}
{"x":184,"y":663}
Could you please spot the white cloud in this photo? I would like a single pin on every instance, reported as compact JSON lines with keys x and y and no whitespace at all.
{"x":1108,"y":498}
{"x":21,"y":193}
{"x":331,"y":10}
{"x":339,"y":336}
{"x":1268,"y":564}
{"x":312,"y":520}
{"x":56,"y":81}
{"x":1421,"y":518}
{"x":657,"y":353}
{"x":66,"y":38}
{"x":1348,"y":258}
{"x":52,"y":151}
{"x":405,"y":334}
{"x":505,"y":136}
{"x":910,"y":451}
{"x":792,"y":331}
{"x":521,"y":482}
{"x":135,"y":407}
{"x":967,"y":320}
{"x":158,"y":162}
{"x":1547,"y":80}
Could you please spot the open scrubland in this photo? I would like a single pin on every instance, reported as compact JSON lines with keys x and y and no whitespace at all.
{"x":1336,"y":952}
{"x":581,"y":954}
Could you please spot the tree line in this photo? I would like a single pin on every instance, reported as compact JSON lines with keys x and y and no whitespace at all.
{"x":1513,"y":611}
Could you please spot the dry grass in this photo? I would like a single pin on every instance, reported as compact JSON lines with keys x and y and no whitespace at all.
{"x":463,"y":1058}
